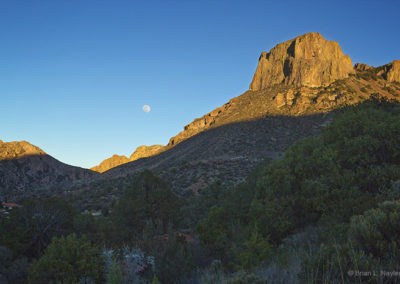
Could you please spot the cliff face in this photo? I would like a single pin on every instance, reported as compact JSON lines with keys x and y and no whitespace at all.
{"x":391,"y":71}
{"x":308,"y":60}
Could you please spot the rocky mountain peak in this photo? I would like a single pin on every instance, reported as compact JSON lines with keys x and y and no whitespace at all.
{"x":307,"y":60}
{"x":16,"y":150}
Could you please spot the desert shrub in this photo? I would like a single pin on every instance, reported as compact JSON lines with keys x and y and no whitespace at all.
{"x":215,"y":234}
{"x":376,"y":231}
{"x":176,"y":258}
{"x":198,"y":205}
{"x":155,"y":280}
{"x":390,"y":91}
{"x":244,"y":278}
{"x":68,"y":260}
{"x":371,"y":245}
{"x":332,"y":263}
{"x":255,"y":250}
{"x":30,"y":228}
{"x":147,"y":199}
{"x":114,"y":273}
{"x":368,"y":75}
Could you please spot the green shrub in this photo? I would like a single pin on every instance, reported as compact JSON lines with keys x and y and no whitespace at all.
{"x":30,"y":228}
{"x":370,"y":245}
{"x":114,"y":274}
{"x":147,"y":199}
{"x":68,"y":260}
{"x":377,"y":231}
{"x":245,"y":278}
{"x":255,"y":251}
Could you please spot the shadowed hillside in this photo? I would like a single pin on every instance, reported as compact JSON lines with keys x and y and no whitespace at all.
{"x":226,"y":153}
{"x":26,"y":169}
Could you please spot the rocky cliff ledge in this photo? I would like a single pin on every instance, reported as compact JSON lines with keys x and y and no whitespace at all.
{"x":308,"y":60}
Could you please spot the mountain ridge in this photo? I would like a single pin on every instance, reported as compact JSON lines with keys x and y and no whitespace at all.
{"x":229,"y":140}
{"x":26,"y":169}
{"x":303,"y":65}
{"x":116,"y":160}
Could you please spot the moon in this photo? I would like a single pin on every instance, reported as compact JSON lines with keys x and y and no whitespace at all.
{"x":146,"y":108}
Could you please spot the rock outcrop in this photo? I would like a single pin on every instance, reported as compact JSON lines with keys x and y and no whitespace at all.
{"x":109,"y":163}
{"x":360,"y":67}
{"x":116,"y":160}
{"x":146,"y":151}
{"x":308,"y":60}
{"x":391,"y":71}
{"x":16,"y":150}
{"x":199,"y":124}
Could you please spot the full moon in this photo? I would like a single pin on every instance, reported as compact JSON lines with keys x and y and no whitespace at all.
{"x":146,"y":108}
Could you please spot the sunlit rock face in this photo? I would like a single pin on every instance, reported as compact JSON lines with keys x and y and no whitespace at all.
{"x":391,"y":71}
{"x":145,"y":151}
{"x":16,"y":150}
{"x":109,"y":163}
{"x":362,"y":67}
{"x":116,"y":160}
{"x":308,"y":60}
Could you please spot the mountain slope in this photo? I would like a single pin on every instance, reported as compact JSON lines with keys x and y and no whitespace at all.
{"x":26,"y":169}
{"x":302,"y":76}
{"x":251,"y":127}
{"x":227,"y":142}
{"x":226,"y":153}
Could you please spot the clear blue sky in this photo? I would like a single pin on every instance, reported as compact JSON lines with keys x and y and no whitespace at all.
{"x":75,"y":74}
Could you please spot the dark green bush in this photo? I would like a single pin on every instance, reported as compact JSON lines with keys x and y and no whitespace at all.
{"x":377,"y":231}
{"x":69,"y":260}
{"x":147,"y":199}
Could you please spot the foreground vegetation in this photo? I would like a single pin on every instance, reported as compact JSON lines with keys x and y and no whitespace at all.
{"x":326,"y":211}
